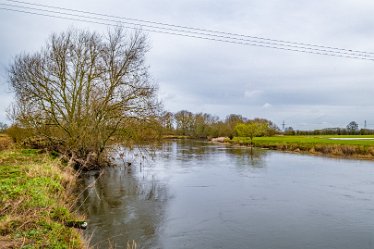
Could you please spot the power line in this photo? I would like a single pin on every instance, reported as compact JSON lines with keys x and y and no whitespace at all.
{"x":191,"y":32}
{"x":194,"y":28}
{"x":150,"y":28}
{"x":324,"y":52}
{"x":191,"y":36}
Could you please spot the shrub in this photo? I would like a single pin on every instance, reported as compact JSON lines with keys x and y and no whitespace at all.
{"x":5,"y":142}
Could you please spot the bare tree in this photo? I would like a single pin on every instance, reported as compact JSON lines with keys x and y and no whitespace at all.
{"x":184,"y":122}
{"x":82,"y":90}
{"x":352,"y":127}
{"x":167,"y":122}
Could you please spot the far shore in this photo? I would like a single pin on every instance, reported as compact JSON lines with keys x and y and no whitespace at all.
{"x":347,"y":147}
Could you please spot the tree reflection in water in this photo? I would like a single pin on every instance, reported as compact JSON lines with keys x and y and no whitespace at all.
{"x":128,"y":202}
{"x":122,"y":204}
{"x":202,"y":195}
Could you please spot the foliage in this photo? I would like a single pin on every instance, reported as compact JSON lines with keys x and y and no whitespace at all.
{"x":34,"y":201}
{"x":251,"y":129}
{"x":231,"y":121}
{"x":82,"y":90}
{"x":19,"y":134}
{"x":205,"y":125}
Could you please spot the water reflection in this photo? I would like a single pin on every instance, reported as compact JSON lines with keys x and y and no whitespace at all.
{"x":128,"y":202}
{"x":248,"y":157}
{"x":186,"y":150}
{"x":122,"y":205}
{"x":201,"y":195}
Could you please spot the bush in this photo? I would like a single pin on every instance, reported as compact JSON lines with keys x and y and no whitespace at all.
{"x":18,"y":134}
{"x":5,"y":142}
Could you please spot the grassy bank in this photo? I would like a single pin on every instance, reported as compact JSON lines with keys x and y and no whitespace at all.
{"x":34,"y":201}
{"x":325,"y":145}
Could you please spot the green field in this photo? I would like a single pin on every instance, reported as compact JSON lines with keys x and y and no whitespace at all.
{"x":316,"y":144}
{"x":316,"y":140}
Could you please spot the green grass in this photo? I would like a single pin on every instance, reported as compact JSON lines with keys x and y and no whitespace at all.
{"x":316,"y":140}
{"x":316,"y":144}
{"x":34,"y":201}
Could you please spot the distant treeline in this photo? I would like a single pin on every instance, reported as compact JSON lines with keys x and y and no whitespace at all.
{"x":329,"y":131}
{"x":201,"y":125}
{"x":204,"y":125}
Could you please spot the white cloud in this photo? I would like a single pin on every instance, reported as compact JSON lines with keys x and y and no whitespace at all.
{"x":267,"y":106}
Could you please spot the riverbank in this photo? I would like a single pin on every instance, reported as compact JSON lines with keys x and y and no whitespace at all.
{"x":356,"y":147}
{"x":175,"y":137}
{"x":35,"y":201}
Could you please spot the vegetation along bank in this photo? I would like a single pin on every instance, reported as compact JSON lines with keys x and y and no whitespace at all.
{"x":353,"y":146}
{"x":35,"y":200}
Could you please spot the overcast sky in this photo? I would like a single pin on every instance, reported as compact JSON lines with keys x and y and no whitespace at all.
{"x":306,"y":91}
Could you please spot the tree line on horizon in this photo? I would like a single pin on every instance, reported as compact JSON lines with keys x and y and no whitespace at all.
{"x":205,"y":125}
{"x":351,"y":129}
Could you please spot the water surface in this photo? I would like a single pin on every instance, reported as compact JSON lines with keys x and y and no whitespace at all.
{"x":200,"y":195}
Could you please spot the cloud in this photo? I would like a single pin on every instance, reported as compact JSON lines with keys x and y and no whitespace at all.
{"x":267,"y":106}
{"x":252,"y":94}
{"x":200,"y":75}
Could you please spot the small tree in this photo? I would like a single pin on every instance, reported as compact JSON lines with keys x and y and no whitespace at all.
{"x":84,"y":91}
{"x":352,"y":127}
{"x":272,"y":128}
{"x":251,"y":129}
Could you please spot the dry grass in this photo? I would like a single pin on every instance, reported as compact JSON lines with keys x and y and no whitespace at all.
{"x":131,"y":245}
{"x":35,"y":194}
{"x":5,"y":142}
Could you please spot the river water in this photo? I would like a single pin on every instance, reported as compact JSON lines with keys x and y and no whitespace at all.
{"x":199,"y":195}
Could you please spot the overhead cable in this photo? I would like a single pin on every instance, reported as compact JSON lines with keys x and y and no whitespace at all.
{"x":182,"y":31}
{"x":192,"y":28}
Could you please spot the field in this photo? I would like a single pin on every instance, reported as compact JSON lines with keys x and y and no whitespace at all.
{"x":355,"y":146}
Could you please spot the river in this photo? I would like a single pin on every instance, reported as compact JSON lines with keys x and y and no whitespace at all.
{"x":190,"y":194}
